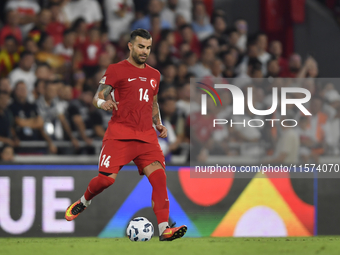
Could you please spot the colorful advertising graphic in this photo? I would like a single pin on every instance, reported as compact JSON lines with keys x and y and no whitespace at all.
{"x":33,"y":200}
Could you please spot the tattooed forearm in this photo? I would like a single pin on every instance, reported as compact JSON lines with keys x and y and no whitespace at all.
{"x":156,"y":117}
{"x":105,"y":89}
{"x":102,"y":92}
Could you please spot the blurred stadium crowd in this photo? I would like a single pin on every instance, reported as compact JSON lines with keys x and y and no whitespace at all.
{"x":53,"y":54}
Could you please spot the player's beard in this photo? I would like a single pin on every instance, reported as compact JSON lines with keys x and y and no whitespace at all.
{"x":136,"y":58}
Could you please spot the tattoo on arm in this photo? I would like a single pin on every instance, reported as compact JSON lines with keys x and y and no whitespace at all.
{"x":105,"y":89}
{"x":156,"y":117}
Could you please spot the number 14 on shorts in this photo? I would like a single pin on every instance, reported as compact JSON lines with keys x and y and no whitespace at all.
{"x":105,"y":161}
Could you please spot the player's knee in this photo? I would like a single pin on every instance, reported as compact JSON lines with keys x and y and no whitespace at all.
{"x":106,"y":179}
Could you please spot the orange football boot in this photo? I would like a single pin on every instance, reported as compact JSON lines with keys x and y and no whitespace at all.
{"x":74,"y":210}
{"x":172,"y":233}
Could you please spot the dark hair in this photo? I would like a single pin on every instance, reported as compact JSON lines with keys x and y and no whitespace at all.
{"x":11,"y":37}
{"x":255,"y":64}
{"x":185,"y":26}
{"x":36,"y":83}
{"x":42,"y":64}
{"x":141,"y":33}
{"x":25,"y":53}
{"x":68,"y":31}
{"x":18,"y":82}
{"x":77,"y":23}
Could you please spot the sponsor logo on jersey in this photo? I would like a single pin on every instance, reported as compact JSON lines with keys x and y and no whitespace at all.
{"x":142,"y":78}
{"x":102,"y":81}
{"x":131,"y":79}
{"x":153,"y":83}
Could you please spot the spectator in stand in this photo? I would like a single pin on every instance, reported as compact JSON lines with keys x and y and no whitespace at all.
{"x":155,"y":21}
{"x":309,"y":69}
{"x":190,"y":59}
{"x":275,"y":48}
{"x":182,"y":73}
{"x":202,"y":68}
{"x":183,"y":104}
{"x":295,"y":64}
{"x":216,"y":69}
{"x":79,"y":79}
{"x":163,"y":54}
{"x":9,"y":56}
{"x":220,"y":27}
{"x":201,"y":23}
{"x":7,"y":154}
{"x":273,"y":68}
{"x":169,"y":72}
{"x":24,"y":72}
{"x":242,"y":28}
{"x":263,"y":55}
{"x":50,"y":109}
{"x":91,"y":51}
{"x":28,"y":124}
{"x":80,"y":27}
{"x":175,"y":124}
{"x":89,"y":10}
{"x":56,"y":26}
{"x":154,"y":7}
{"x":46,"y":54}
{"x":65,"y":48}
{"x":254,"y":71}
{"x":44,"y":72}
{"x":174,"y":8}
{"x":11,"y":28}
{"x":103,"y":64}
{"x":252,"y":52}
{"x":213,"y":42}
{"x":84,"y":117}
{"x":5,"y":85}
{"x":7,"y":132}
{"x":188,"y":36}
{"x":119,"y":15}
{"x":229,"y":61}
{"x":169,"y":36}
{"x":27,"y":11}
{"x":40,"y":29}
{"x":39,"y":88}
{"x":31,"y":46}
{"x":233,"y":37}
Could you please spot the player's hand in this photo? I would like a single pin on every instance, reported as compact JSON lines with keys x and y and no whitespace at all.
{"x":162,"y":130}
{"x":109,"y":105}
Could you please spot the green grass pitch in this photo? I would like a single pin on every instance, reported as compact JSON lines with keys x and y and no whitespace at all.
{"x":242,"y":246}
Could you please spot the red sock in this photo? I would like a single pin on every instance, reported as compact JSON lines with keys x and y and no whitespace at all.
{"x":160,"y":201}
{"x":97,"y":185}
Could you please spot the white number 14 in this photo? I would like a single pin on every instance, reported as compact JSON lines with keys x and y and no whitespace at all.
{"x":145,"y":97}
{"x":106,"y":162}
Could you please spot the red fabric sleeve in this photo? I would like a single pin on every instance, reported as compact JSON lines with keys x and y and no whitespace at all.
{"x":110,"y":77}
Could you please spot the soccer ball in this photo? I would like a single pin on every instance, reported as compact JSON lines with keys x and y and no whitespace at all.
{"x":139,"y":229}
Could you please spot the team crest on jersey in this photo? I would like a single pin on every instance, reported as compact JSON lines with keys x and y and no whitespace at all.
{"x":153,"y":83}
{"x":102,"y":81}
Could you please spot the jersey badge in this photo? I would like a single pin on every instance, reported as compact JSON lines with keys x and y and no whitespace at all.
{"x":153,"y":83}
{"x":102,"y":81}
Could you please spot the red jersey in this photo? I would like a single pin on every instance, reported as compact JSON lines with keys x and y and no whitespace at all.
{"x":134,"y":89}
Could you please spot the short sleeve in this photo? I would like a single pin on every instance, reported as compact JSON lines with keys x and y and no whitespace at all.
{"x":110,"y":77}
